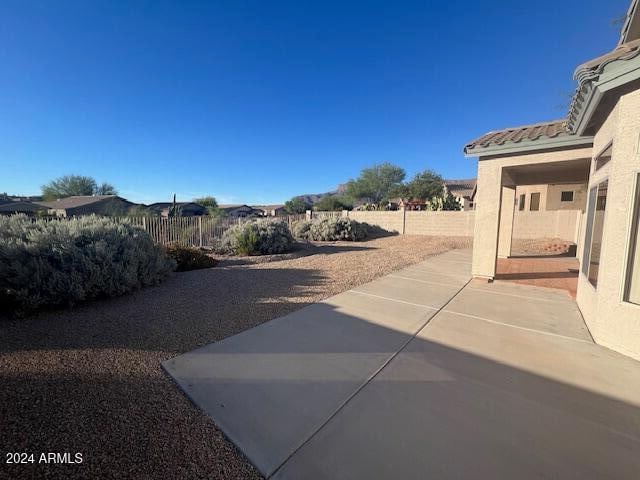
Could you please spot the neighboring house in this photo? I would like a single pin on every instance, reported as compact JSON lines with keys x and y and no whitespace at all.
{"x":15,"y":206}
{"x":239,"y":210}
{"x":87,"y":205}
{"x":464,"y":191}
{"x":596,"y":145}
{"x":270,"y":210}
{"x":566,"y":196}
{"x":183,"y":209}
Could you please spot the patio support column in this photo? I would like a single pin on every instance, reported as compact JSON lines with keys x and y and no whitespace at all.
{"x":487,"y":222}
{"x":507,"y":210}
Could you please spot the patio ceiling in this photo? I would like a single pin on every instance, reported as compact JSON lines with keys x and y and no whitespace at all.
{"x":569,"y":171}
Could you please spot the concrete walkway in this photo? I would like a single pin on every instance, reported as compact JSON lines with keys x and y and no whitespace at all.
{"x":423,"y":373}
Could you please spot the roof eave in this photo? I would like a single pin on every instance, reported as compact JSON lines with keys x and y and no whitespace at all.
{"x":566,"y":141}
{"x":591,"y":92}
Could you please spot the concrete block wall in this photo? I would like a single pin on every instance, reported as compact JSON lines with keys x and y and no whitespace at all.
{"x":391,"y":221}
{"x":564,"y":224}
{"x":454,"y":224}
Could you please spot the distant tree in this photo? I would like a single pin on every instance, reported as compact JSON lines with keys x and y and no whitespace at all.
{"x":70,"y":185}
{"x":425,"y":185}
{"x":332,"y":203}
{"x":210,"y":203}
{"x":105,"y":189}
{"x":376,"y":183}
{"x":296,"y":205}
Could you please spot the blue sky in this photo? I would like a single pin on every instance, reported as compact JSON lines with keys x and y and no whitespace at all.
{"x":258,"y":101}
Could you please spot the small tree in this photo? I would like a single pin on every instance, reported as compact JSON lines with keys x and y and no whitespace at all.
{"x":70,"y":185}
{"x":377,"y":183}
{"x":296,"y":205}
{"x":449,"y":202}
{"x":425,"y":185}
{"x":210,"y":203}
{"x":333,"y":203}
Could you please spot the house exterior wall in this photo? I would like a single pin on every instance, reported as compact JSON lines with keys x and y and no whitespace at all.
{"x":554,"y":196}
{"x":491,"y":176}
{"x":551,"y":194}
{"x":612,"y":321}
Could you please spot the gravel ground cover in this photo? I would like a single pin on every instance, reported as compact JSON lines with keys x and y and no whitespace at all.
{"x":542,"y":246}
{"x":88,"y":380}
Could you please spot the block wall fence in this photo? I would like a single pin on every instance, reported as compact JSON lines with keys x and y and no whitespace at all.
{"x":563,"y":224}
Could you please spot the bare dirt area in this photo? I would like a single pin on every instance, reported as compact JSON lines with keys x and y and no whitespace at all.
{"x":88,"y":380}
{"x":542,"y":247}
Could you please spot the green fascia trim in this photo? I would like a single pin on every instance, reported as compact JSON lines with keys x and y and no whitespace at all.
{"x":614,"y":75}
{"x":529,"y":145}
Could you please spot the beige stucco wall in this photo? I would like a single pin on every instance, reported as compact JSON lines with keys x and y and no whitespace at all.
{"x":613,"y":322}
{"x":551,"y":194}
{"x":554,"y":195}
{"x":488,"y":200}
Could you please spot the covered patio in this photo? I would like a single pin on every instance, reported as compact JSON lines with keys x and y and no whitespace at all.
{"x":529,"y":155}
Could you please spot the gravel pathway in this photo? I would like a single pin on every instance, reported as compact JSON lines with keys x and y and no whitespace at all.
{"x":89,"y":379}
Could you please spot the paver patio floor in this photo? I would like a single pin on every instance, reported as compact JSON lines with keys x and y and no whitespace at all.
{"x":423,"y":374}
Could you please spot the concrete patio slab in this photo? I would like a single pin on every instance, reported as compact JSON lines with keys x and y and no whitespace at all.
{"x":272,"y":387}
{"x":472,"y":399}
{"x":503,"y":381}
{"x":560,"y":316}
{"x":409,"y":290}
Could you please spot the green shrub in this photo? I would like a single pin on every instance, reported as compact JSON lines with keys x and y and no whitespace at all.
{"x":301,"y":229}
{"x":62,"y":262}
{"x":189,"y":258}
{"x":257,"y":237}
{"x":331,"y":230}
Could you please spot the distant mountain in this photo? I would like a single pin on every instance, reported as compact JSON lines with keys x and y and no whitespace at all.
{"x":313,"y":198}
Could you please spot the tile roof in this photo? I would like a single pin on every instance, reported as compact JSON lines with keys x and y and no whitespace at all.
{"x":461,"y":188}
{"x":551,"y":129}
{"x":590,"y":71}
{"x":593,"y":68}
{"x":75,"y":201}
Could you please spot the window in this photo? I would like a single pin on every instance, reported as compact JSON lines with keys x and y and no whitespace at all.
{"x":534,"y":204}
{"x":632,"y":288}
{"x":566,"y":196}
{"x":594,"y":232}
{"x":521,"y":202}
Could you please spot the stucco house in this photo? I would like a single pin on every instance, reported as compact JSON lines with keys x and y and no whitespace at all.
{"x":239,"y":210}
{"x":597,"y":145}
{"x":551,"y":197}
{"x":11,"y":207}
{"x":183,"y":209}
{"x":87,"y":205}
{"x":270,"y":210}
{"x":464,"y":192}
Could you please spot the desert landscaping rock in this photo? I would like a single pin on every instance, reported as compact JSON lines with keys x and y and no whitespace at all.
{"x":89,"y":379}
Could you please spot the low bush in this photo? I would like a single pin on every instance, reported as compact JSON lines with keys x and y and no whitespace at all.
{"x":301,"y":229}
{"x":63,"y":262}
{"x":331,"y":230}
{"x":189,"y":258}
{"x":259,"y":237}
